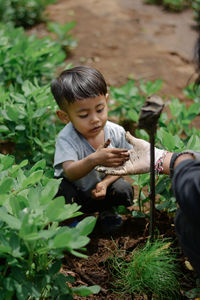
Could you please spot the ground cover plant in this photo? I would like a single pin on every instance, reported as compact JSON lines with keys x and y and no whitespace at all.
{"x":179,"y":5}
{"x":32,"y":243}
{"x":23,"y":13}
{"x":63,"y":35}
{"x":129,"y":98}
{"x":174,"y":134}
{"x":25,"y":57}
{"x":28,"y":120}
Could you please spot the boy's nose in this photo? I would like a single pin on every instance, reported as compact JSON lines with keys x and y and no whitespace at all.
{"x":94,"y":118}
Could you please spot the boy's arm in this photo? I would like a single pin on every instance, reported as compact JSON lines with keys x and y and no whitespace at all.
{"x":99,"y":192}
{"x":109,"y":179}
{"x":75,"y":170}
{"x":109,"y":157}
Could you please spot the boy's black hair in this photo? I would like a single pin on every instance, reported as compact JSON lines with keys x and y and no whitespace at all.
{"x":78,"y":83}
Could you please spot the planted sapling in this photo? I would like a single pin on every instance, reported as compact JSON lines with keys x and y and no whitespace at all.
{"x":150,"y":269}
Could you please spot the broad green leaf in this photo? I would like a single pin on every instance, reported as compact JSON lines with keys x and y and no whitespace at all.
{"x":7,"y":161}
{"x":78,"y":241}
{"x":15,"y":245}
{"x":133,"y":115}
{"x":193,"y":143}
{"x":38,"y":142}
{"x":28,"y":227}
{"x":85,"y":291}
{"x":4,"y":128}
{"x":167,"y":139}
{"x":20,"y":127}
{"x":11,"y":221}
{"x":54,"y":209}
{"x":12,"y":113}
{"x":5,"y":249}
{"x":3,"y":198}
{"x":6,"y":185}
{"x":15,"y":168}
{"x":34,"y":197}
{"x":86,"y":226}
{"x":70,"y":238}
{"x":17,"y":204}
{"x":63,"y":239}
{"x":40,"y":112}
{"x":33,"y":178}
{"x":38,"y":165}
{"x":78,"y":254}
{"x":49,"y":190}
{"x":70,"y":211}
{"x":28,"y":88}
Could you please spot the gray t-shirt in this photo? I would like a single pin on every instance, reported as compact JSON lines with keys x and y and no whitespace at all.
{"x":71,"y":145}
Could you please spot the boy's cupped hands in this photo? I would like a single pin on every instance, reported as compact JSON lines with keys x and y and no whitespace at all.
{"x":111,"y":157}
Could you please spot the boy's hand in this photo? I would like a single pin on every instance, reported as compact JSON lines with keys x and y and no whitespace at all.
{"x":139,"y":161}
{"x":100,"y":190}
{"x":111,"y":157}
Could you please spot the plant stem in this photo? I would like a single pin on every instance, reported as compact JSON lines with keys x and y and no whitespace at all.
{"x":152,"y":186}
{"x":139,"y":200}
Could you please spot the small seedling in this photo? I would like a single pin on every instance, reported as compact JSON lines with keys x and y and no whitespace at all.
{"x":150,"y":269}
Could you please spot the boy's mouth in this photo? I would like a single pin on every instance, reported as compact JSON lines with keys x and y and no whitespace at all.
{"x":96,"y":128}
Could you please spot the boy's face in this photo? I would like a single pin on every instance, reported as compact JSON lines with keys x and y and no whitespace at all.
{"x":89,"y":115}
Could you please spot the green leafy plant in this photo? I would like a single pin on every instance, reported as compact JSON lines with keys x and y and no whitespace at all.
{"x":140,"y":181}
{"x":175,"y":5}
{"x":22,"y":12}
{"x":194,"y":293}
{"x":182,"y":116}
{"x":128,"y":99}
{"x":63,"y":37}
{"x":196,"y":7}
{"x":167,"y":201}
{"x":150,"y":269}
{"x":192,"y":91}
{"x":179,"y":5}
{"x":28,"y":120}
{"x":31,"y":241}
{"x":25,"y":57}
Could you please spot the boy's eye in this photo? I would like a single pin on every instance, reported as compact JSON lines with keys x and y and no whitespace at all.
{"x":100,"y":110}
{"x":83,"y":116}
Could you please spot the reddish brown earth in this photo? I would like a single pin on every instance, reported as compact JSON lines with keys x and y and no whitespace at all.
{"x":123,"y":38}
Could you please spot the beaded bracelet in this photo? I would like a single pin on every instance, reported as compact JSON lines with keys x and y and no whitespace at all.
{"x":159,"y":163}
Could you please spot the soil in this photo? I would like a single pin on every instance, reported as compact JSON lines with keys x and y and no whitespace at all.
{"x":122,"y":39}
{"x":133,"y":234}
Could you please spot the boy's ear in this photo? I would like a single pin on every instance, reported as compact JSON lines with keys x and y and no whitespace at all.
{"x":63,"y":116}
{"x":107,"y":97}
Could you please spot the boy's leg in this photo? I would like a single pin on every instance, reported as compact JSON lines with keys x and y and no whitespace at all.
{"x":71,"y":194}
{"x":68,"y":191}
{"x":120,"y":192}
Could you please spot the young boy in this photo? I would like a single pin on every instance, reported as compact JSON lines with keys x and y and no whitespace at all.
{"x":89,"y":140}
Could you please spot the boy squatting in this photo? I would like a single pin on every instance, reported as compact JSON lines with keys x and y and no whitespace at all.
{"x":89,"y":140}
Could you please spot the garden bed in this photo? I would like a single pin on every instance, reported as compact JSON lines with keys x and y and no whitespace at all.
{"x":134,"y":233}
{"x":128,"y":40}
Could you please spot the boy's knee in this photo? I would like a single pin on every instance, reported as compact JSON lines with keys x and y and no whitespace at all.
{"x":123,"y":191}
